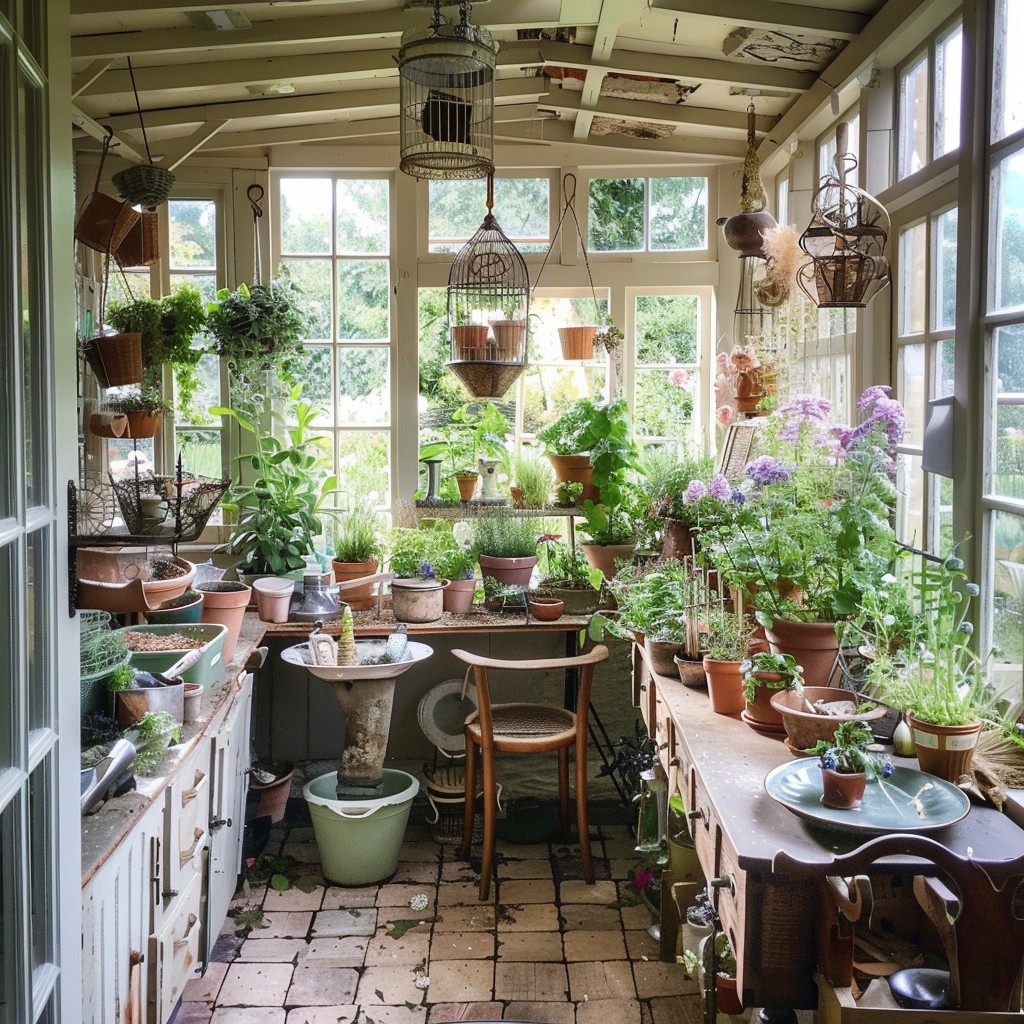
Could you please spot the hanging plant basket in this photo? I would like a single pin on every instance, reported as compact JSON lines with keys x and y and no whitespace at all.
{"x":141,"y":246}
{"x":486,"y":378}
{"x":144,"y":185}
{"x":116,"y":359}
{"x":577,"y":342}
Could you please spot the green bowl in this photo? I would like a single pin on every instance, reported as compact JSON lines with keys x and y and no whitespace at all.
{"x":169,"y":616}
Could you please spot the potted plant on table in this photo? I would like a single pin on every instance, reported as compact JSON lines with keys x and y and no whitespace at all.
{"x":506,"y":548}
{"x":726,"y":645}
{"x":417,"y":593}
{"x":143,"y":406}
{"x":764,"y":674}
{"x":566,"y":575}
{"x":358,"y":550}
{"x":455,"y":563}
{"x":847,"y":764}
{"x":533,"y":478}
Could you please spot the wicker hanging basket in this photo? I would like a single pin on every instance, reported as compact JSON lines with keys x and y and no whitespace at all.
{"x":141,"y":246}
{"x":116,"y":359}
{"x":144,"y":185}
{"x":103,"y":222}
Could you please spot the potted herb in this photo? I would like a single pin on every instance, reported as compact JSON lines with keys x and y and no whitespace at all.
{"x":764,"y":674}
{"x":506,"y":547}
{"x":474,"y":433}
{"x":357,"y":537}
{"x":533,"y":477}
{"x":457,"y":564}
{"x":256,"y":330}
{"x":846,"y":765}
{"x":276,"y":514}
{"x":565,"y":574}
{"x":726,"y":645}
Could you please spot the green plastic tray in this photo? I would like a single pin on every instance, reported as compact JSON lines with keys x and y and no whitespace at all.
{"x":205,"y":672}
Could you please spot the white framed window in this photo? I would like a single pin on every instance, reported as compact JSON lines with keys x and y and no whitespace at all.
{"x":647,"y":214}
{"x":335,"y":240}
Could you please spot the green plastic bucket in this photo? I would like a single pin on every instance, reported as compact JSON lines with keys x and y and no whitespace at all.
{"x":360,"y":840}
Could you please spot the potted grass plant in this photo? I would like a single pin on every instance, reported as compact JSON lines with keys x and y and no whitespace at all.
{"x":506,"y":548}
{"x":726,"y":644}
{"x":358,"y":540}
{"x":533,"y":478}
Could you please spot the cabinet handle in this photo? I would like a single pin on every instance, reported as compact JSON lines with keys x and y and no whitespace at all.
{"x":216,"y":824}
{"x":190,"y":794}
{"x":725,"y":882}
{"x":184,"y":856}
{"x":169,"y":894}
{"x":694,"y":817}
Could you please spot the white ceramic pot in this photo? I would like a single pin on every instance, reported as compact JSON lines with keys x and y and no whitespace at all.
{"x":417,"y":600}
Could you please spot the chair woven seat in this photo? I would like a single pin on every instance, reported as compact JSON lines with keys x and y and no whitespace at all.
{"x":526,"y":728}
{"x":520,"y":721}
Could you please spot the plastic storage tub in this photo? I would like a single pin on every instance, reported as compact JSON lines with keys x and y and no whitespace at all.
{"x":206,"y":671}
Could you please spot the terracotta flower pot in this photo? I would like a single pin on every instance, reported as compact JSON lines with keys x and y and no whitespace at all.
{"x":661,"y":656}
{"x":514,"y":571}
{"x":691,"y":672}
{"x":727,"y":996}
{"x":545,"y":609}
{"x":458,"y":595}
{"x":357,"y":598}
{"x":517,"y":496}
{"x":604,"y":556}
{"x":224,"y":602}
{"x":509,"y":336}
{"x":273,"y":597}
{"x":841,"y":790}
{"x":570,"y":468}
{"x":813,"y":644}
{"x":945,"y":750}
{"x":577,"y":342}
{"x":759,"y":713}
{"x":805,"y":727}
{"x":143,"y":424}
{"x":467,"y":486}
{"x":725,"y":686}
{"x":678,"y":541}
{"x":469,"y":341}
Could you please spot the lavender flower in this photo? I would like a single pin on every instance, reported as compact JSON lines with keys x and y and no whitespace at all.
{"x":872,"y":395}
{"x":719,"y":488}
{"x":694,"y":492}
{"x":738,"y":496}
{"x":764,"y":470}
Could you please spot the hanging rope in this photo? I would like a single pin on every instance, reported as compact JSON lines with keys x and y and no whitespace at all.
{"x":255,"y":194}
{"x":569,"y":194}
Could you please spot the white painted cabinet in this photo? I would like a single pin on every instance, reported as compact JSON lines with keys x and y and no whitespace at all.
{"x":154,"y":906}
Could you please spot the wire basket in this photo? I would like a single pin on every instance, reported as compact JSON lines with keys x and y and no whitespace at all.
{"x":189,"y":507}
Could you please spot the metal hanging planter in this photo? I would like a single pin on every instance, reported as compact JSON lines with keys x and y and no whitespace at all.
{"x":446,"y":93}
{"x":488,"y":310}
{"x":845,"y":239}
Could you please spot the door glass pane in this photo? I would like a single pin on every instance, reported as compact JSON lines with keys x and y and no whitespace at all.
{"x":666,"y":329}
{"x":948,"y":59}
{"x":41,"y":801}
{"x":663,"y":403}
{"x":912,"y":391}
{"x":39,"y":606}
{"x":945,"y":368}
{"x":306,"y":215}
{"x":679,"y":213}
{"x":8,"y":304}
{"x":313,"y":279}
{"x":11,"y":941}
{"x":1008,"y":413}
{"x":1007,"y":609}
{"x":910,"y":502}
{"x":10,"y":654}
{"x":615,"y":219}
{"x":35,"y":366}
{"x":944,"y":232}
{"x":1008,"y":84}
{"x":942,"y":513}
{"x":364,"y":457}
{"x":1008,"y":231}
{"x":913,"y":297}
{"x":364,"y":305}
{"x":192,"y":226}
{"x":362,"y":216}
{"x":913,"y":119}
{"x":317,"y":383}
{"x":364,"y":388}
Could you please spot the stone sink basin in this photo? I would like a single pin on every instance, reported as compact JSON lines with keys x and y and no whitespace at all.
{"x":366,"y":694}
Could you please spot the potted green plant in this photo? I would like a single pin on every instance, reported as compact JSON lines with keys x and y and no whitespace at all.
{"x":726,"y":645}
{"x":533,"y":477}
{"x":358,"y":542}
{"x":417,"y":594}
{"x":277,"y":512}
{"x":566,"y":575}
{"x":764,"y":674}
{"x":475,"y":433}
{"x":168,"y":327}
{"x":256,"y":330}
{"x":664,"y":476}
{"x":847,"y":764}
{"x":457,"y":564}
{"x":506,"y":547}
{"x":143,"y":406}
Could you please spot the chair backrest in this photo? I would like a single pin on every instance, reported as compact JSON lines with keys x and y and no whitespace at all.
{"x":481,"y":666}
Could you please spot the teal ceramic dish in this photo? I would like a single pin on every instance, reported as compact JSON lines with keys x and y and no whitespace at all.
{"x":909,"y":801}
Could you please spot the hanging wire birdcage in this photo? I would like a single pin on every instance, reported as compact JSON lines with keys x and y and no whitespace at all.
{"x":845,"y":239}
{"x":488,"y":309}
{"x":446,"y":92}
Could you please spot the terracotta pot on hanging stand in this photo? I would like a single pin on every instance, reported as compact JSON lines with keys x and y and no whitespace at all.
{"x":577,"y":342}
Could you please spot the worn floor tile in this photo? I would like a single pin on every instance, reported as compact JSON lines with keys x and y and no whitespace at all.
{"x":641,"y":945}
{"x":338,"y":923}
{"x":194,"y":1013}
{"x":460,"y":919}
{"x":529,"y":917}
{"x":658,"y":979}
{"x":418,"y":872}
{"x":412,"y":948}
{"x":600,"y":945}
{"x":462,"y":946}
{"x":449,"y":1013}
{"x":586,"y":917}
{"x":522,"y":890}
{"x":608,"y":1011}
{"x":294,"y":899}
{"x":577,"y":891}
{"x":677,"y":1010}
{"x":322,"y":1015}
{"x":255,"y":985}
{"x":465,"y":893}
{"x":591,"y":980}
{"x":530,"y":982}
{"x":635,"y":916}
{"x":398,"y":895}
{"x":322,"y":983}
{"x":284,"y":924}
{"x":394,"y":1015}
{"x":204,"y":987}
{"x":455,"y":982}
{"x":271,"y":951}
{"x":423,"y":851}
{"x":248,"y":1015}
{"x":537,"y":947}
{"x":338,"y":897}
{"x":459,"y":871}
{"x":543,"y":1013}
{"x":533,"y":868}
{"x":348,"y":951}
{"x":304,"y":853}
{"x":394,"y":986}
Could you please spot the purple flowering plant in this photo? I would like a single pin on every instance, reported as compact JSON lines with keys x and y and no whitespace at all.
{"x":847,"y":752}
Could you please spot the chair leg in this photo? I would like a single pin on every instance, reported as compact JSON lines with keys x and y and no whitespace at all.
{"x":470,"y":800}
{"x":582,"y":821}
{"x":563,"y":791}
{"x":490,"y":818}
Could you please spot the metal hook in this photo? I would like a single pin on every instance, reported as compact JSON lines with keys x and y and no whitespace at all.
{"x":255,"y":194}
{"x":569,"y":182}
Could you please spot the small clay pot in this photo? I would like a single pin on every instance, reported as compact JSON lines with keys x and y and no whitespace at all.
{"x":545,"y":609}
{"x":841,"y":790}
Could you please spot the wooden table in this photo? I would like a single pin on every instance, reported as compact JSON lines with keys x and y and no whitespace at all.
{"x":769,"y":860}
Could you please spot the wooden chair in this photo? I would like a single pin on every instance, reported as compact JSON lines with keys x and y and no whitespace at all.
{"x":527,"y":728}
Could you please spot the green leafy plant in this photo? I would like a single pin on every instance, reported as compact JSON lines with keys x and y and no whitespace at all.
{"x":532,"y":474}
{"x":566,"y":567}
{"x":726,"y":636}
{"x":451,"y":560}
{"x":569,"y":492}
{"x":430,"y":551}
{"x":475,"y":430}
{"x":122,"y":678}
{"x":504,"y":535}
{"x":776,"y":671}
{"x":151,"y":735}
{"x":146,"y":398}
{"x":277,"y":514}
{"x":847,"y":752}
{"x":358,"y":534}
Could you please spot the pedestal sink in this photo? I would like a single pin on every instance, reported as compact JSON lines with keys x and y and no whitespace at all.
{"x":366,"y":694}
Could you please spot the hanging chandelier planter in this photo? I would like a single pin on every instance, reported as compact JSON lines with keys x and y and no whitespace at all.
{"x":845,"y":239}
{"x":488,"y":310}
{"x":446,"y":93}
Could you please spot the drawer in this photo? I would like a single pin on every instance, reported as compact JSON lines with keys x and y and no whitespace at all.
{"x":175,"y":951}
{"x":187,"y":821}
{"x":664,"y":731}
{"x":194,"y":807}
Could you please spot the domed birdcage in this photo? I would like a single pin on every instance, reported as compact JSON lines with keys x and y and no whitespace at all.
{"x":845,"y":239}
{"x":488,"y":309}
{"x":446,"y":92}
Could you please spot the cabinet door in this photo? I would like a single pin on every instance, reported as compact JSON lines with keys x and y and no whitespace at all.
{"x":187,"y":818}
{"x":175,"y":950}
{"x":230,"y":782}
{"x":119,"y":907}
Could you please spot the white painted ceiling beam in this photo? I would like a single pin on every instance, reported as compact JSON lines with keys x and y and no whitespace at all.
{"x":771,"y":14}
{"x":180,"y":150}
{"x":118,"y":143}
